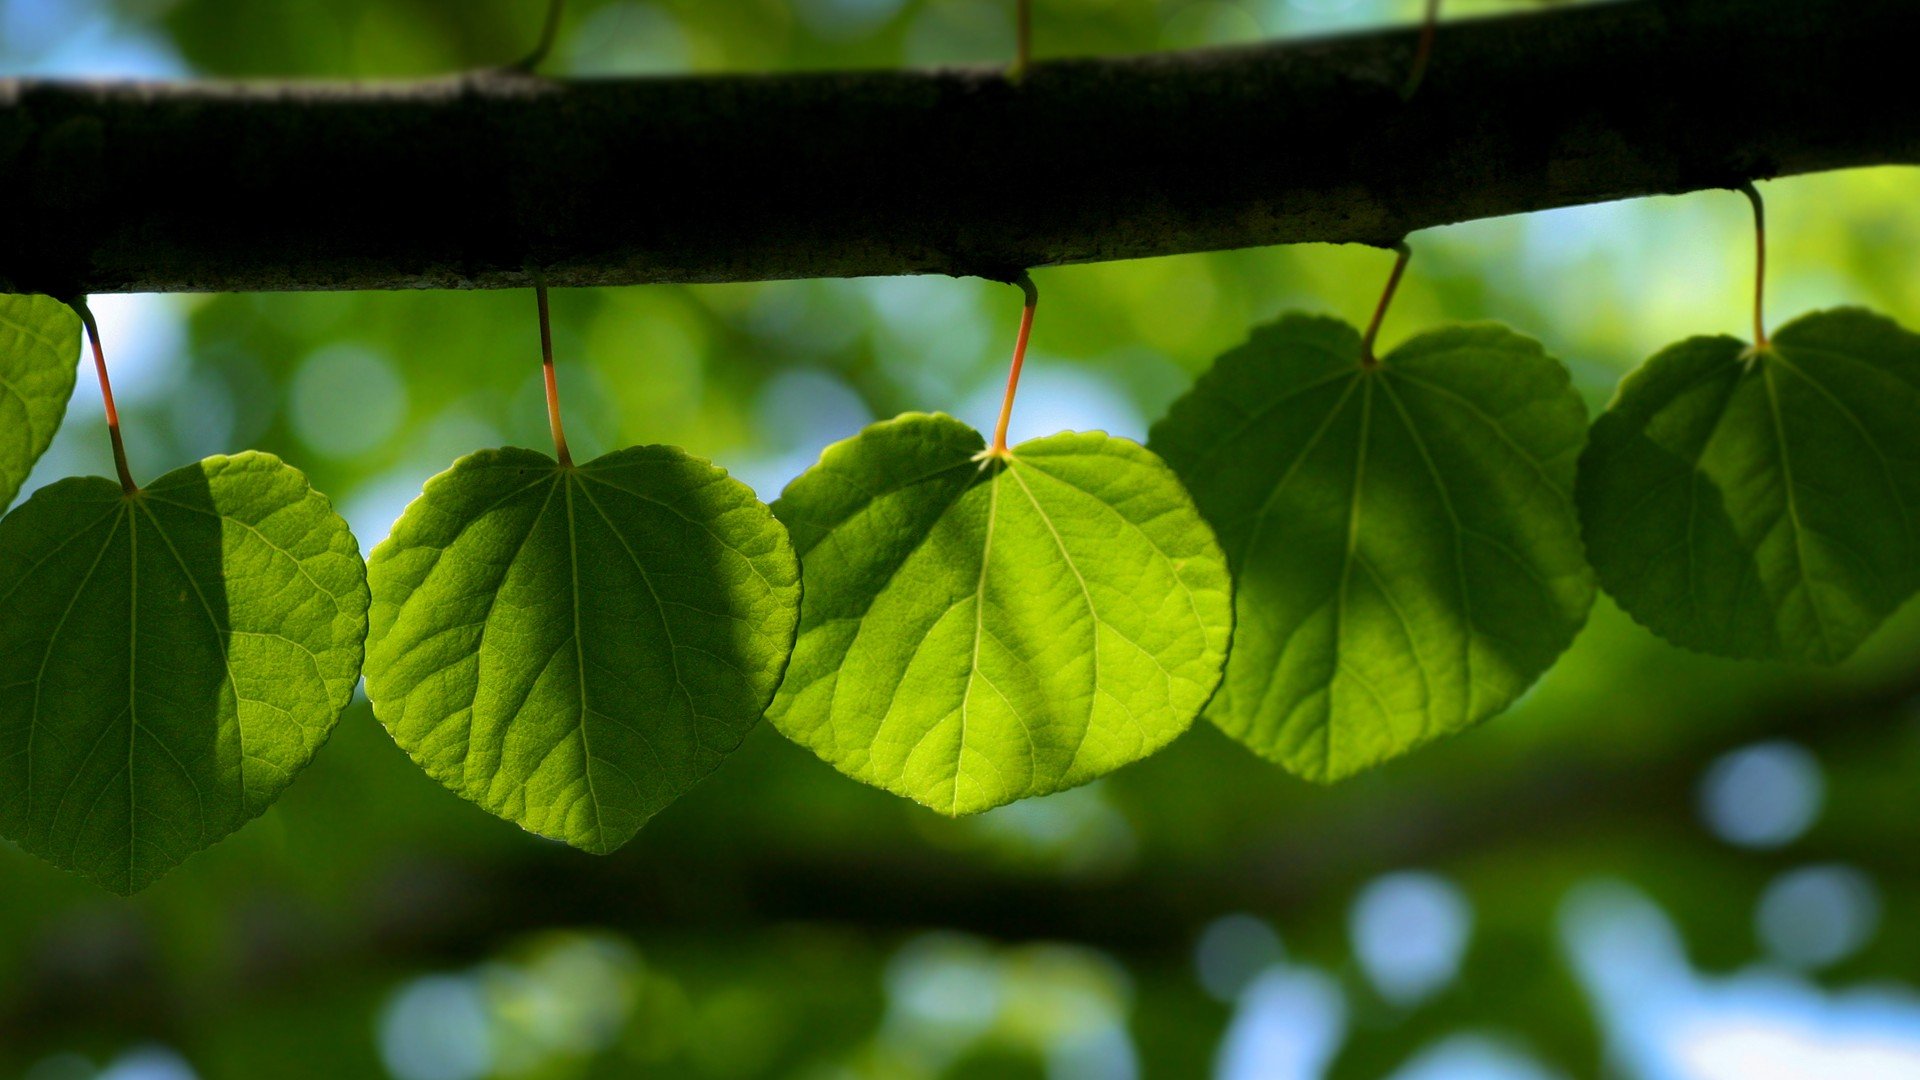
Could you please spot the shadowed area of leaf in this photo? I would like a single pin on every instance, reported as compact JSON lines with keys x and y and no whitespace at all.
{"x":169,"y":659}
{"x":1761,"y":504}
{"x":572,"y":648}
{"x":1405,"y":552}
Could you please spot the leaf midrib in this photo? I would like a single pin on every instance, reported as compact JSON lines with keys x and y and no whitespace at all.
{"x":226,"y":666}
{"x":580,"y":660}
{"x":1346,"y":568}
{"x":973,"y":667}
{"x":1793,"y":510}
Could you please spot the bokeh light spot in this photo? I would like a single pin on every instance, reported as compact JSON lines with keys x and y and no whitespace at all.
{"x":346,"y":400}
{"x":845,"y":20}
{"x":148,"y":1063}
{"x":1473,"y":1057}
{"x":1816,"y":915}
{"x":435,"y":1028}
{"x":1762,"y":796}
{"x":1232,"y":951}
{"x":1409,"y":931}
{"x":1289,"y":1024}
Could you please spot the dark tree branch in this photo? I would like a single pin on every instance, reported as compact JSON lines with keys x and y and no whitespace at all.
{"x":467,"y":182}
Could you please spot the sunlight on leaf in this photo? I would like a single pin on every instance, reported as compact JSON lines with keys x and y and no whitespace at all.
{"x":573,"y":648}
{"x":169,"y":660}
{"x":1761,"y":504}
{"x":976,"y":631}
{"x":1405,"y":551}
{"x":39,"y":347}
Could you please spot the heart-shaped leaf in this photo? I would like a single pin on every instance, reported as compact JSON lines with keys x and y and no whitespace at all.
{"x":573,"y":647}
{"x":979,"y":629}
{"x":39,"y":346}
{"x":1763,"y":503}
{"x":1405,"y":551}
{"x":169,"y":660}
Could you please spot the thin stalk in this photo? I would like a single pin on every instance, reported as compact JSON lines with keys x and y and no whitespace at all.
{"x":549,"y":32}
{"x":546,"y":364}
{"x":1759,"y":264}
{"x":1367,"y":357}
{"x":1423,"y":53}
{"x":106,"y":396}
{"x":1019,"y":359}
{"x":1023,"y":38}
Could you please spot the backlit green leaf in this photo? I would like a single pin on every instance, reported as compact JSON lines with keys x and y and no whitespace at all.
{"x":977,"y":631}
{"x":1762,"y":504}
{"x":39,"y":344}
{"x":169,"y":660}
{"x":572,"y":648}
{"x":1405,"y":551}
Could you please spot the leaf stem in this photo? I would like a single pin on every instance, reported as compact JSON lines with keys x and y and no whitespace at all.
{"x":549,"y":32}
{"x":1367,"y":357}
{"x":546,"y":365}
{"x":1423,"y":53}
{"x":1019,"y":359}
{"x":1023,"y":39}
{"x":106,"y":395}
{"x":1759,"y":263}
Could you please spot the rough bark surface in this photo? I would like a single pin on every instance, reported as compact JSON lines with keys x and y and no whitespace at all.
{"x":466,"y":182}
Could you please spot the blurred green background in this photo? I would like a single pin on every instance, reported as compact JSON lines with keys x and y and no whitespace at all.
{"x":1658,"y":866}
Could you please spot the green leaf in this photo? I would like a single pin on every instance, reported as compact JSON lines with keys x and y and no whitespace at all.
{"x":574,"y":647}
{"x":1406,"y":555}
{"x":169,"y":660}
{"x":39,"y":346}
{"x":1761,"y":504}
{"x":978,"y":630}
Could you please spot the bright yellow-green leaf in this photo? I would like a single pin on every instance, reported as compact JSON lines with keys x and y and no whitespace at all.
{"x":978,"y":630}
{"x":39,"y":343}
{"x":1405,"y":551}
{"x":574,"y":647}
{"x":169,"y":660}
{"x":1762,"y":504}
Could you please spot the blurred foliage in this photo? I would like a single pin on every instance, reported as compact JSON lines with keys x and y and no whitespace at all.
{"x":783,"y":921}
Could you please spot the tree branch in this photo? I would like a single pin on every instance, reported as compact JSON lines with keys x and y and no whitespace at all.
{"x":467,"y":182}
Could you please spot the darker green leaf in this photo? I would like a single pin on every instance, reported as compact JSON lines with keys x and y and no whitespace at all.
{"x":1406,"y":556}
{"x":976,"y":630}
{"x":169,"y":660}
{"x":39,"y":342}
{"x":573,"y":648}
{"x":1762,"y":504}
